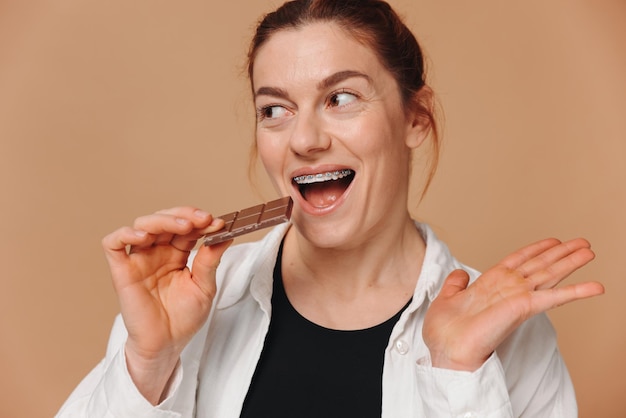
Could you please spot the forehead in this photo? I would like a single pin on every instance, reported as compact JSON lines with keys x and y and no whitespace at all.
{"x":312,"y":51}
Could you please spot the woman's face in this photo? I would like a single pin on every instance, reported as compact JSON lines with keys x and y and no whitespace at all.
{"x":333,"y":134}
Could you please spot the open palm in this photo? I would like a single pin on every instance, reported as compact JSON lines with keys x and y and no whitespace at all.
{"x":465,"y":324}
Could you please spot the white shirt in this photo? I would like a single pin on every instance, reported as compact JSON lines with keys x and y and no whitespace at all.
{"x":525,"y":377}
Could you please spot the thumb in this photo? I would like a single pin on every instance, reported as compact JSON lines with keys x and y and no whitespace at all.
{"x":456,"y":282}
{"x":205,"y":265}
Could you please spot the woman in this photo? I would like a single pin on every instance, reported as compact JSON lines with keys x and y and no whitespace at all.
{"x":353,"y":309}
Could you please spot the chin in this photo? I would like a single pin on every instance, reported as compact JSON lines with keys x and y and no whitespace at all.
{"x":325,"y":232}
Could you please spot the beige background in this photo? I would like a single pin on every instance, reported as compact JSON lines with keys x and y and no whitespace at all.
{"x":113,"y":109}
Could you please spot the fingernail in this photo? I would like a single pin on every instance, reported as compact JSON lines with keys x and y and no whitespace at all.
{"x":140,"y":234}
{"x":182,"y":221}
{"x":201,"y":214}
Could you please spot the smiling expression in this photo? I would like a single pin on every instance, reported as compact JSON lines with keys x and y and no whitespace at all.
{"x":332,"y":132}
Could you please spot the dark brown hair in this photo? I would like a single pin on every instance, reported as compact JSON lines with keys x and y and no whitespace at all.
{"x":375,"y":24}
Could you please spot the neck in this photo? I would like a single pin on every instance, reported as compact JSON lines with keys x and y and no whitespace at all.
{"x":389,"y":257}
{"x":329,"y":285}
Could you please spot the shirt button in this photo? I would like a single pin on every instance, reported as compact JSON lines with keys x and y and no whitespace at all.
{"x":402,"y":346}
{"x":469,"y":415}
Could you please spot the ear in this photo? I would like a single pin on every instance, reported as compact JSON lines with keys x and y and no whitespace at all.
{"x":420,"y":118}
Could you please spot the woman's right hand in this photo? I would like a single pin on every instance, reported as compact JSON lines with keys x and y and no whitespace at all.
{"x":162,"y":302}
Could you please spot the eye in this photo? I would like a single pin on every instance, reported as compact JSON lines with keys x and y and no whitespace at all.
{"x":341,"y":99}
{"x":271,"y":112}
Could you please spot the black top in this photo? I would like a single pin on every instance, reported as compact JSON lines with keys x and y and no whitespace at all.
{"x":306,"y":370}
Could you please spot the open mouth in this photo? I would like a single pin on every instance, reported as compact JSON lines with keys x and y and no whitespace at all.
{"x":323,"y":189}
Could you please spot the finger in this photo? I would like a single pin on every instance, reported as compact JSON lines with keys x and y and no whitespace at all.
{"x":521,"y":256}
{"x":198,"y":217}
{"x":554,"y":273}
{"x":183,"y":211}
{"x":205,"y":264}
{"x":552,"y":255}
{"x":188,"y":241}
{"x":163,"y":239}
{"x":158,"y":223}
{"x":456,"y":282}
{"x":176,"y":221}
{"x":116,"y":243}
{"x":546,"y":299}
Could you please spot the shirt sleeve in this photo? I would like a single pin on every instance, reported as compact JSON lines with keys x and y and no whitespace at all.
{"x":525,"y":377}
{"x":449,"y":393}
{"x":108,"y":390}
{"x":538,"y":381}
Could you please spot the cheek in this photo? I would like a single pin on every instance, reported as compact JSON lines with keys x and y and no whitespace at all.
{"x":267,"y":150}
{"x":272,"y":158}
{"x":377,"y":138}
{"x":383,"y":149}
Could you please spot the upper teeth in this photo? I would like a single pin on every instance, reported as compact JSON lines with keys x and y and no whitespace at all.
{"x":316,"y":178}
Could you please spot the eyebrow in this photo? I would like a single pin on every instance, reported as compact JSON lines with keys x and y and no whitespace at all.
{"x":340,"y":76}
{"x":329,"y":81}
{"x":271,"y":91}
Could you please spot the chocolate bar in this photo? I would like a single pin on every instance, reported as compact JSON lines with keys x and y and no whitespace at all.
{"x":251,"y":219}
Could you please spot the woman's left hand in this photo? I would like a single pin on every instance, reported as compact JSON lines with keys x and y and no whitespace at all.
{"x":465,"y":324}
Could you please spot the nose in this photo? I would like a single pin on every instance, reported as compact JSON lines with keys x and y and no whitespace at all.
{"x":308,"y":136}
